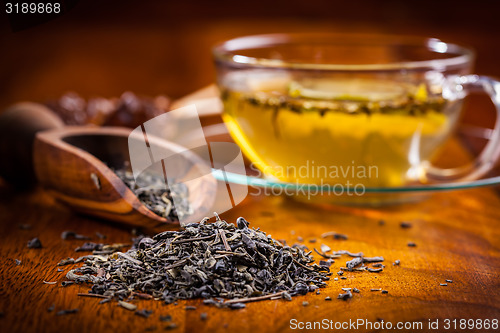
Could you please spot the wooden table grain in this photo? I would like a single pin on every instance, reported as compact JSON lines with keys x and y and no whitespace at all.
{"x":457,"y":236}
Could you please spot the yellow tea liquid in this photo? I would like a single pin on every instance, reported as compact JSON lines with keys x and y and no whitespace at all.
{"x":325,"y":131}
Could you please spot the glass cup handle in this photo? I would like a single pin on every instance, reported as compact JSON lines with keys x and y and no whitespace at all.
{"x":457,"y":87}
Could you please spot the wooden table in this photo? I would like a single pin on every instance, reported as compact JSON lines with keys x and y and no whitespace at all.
{"x":456,"y":233}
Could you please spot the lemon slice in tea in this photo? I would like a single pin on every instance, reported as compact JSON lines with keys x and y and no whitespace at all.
{"x":362,"y":90}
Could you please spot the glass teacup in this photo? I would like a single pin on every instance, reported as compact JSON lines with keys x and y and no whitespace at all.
{"x":340,"y":109}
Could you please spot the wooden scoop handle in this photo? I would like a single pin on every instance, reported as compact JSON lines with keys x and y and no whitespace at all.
{"x":18,"y":127}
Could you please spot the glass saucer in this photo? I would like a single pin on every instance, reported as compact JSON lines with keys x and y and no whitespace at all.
{"x":372,"y":196}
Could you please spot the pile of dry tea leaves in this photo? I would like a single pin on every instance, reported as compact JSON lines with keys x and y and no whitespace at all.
{"x":151,"y":190}
{"x":223,"y":263}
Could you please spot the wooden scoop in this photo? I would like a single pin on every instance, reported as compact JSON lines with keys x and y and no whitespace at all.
{"x":74,"y":163}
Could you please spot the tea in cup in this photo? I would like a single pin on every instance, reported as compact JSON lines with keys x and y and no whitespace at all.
{"x":329,"y":109}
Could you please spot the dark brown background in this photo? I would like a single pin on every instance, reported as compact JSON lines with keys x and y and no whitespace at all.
{"x":163,"y":47}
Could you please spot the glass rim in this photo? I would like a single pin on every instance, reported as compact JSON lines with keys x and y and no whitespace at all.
{"x":227,"y":51}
